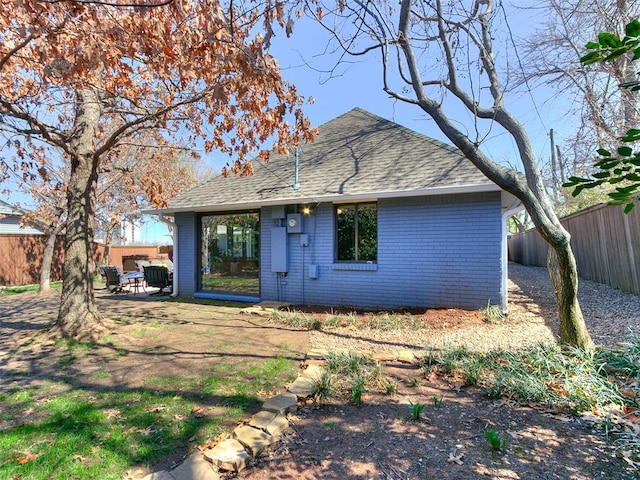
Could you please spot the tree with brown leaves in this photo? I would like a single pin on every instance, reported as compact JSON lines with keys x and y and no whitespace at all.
{"x":80,"y":79}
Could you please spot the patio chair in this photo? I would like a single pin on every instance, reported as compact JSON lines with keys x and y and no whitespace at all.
{"x":158,"y":277}
{"x":114,"y":280}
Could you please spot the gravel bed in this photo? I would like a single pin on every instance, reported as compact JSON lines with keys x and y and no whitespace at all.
{"x":612,"y":317}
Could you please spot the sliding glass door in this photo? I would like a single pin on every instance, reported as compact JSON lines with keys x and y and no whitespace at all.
{"x":230,"y":254}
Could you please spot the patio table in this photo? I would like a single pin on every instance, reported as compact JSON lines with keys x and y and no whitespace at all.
{"x":136,"y":280}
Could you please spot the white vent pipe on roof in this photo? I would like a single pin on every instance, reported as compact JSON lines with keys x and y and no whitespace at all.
{"x":296,"y":165}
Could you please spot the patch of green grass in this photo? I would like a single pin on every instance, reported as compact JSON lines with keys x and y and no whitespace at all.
{"x":624,"y":361}
{"x":18,"y":289}
{"x":52,"y":431}
{"x":18,"y":373}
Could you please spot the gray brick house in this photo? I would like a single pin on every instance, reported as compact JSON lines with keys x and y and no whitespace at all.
{"x":371,"y":215}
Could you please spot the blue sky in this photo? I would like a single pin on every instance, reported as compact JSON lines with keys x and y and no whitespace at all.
{"x":359,"y":84}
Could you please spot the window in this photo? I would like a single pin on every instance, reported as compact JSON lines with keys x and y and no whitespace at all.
{"x":357,"y":232}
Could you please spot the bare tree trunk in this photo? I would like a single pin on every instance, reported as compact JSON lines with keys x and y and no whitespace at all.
{"x":108,"y":241}
{"x":47,"y":258}
{"x":564,"y":280}
{"x":532,"y":191}
{"x":78,"y":316}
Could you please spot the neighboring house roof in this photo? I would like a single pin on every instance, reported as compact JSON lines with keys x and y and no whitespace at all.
{"x":10,"y":221}
{"x":356,"y":156}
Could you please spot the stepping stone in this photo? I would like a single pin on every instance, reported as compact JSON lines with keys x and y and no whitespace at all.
{"x":318,"y":354}
{"x":313,"y":371}
{"x":421,"y":355}
{"x":161,"y":475}
{"x":270,"y":422}
{"x":228,"y":455}
{"x":304,"y":387}
{"x":195,"y":467}
{"x":282,"y":404}
{"x":254,"y":439}
{"x":406,"y":356}
{"x":384,"y":357}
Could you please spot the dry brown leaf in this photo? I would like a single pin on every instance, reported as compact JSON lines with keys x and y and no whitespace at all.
{"x":455,"y":457}
{"x":456,"y":386}
{"x":29,"y":457}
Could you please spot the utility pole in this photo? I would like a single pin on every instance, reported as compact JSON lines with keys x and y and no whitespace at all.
{"x":563,"y":177}
{"x":554,"y":176}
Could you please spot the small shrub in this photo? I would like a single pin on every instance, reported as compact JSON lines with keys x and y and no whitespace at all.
{"x":350,"y":319}
{"x":416,"y":410}
{"x":494,"y":439}
{"x":347,"y":363}
{"x":331,"y":322}
{"x":383,"y":322}
{"x":324,"y":386}
{"x":296,"y":320}
{"x":357,"y":389}
{"x":492,"y":313}
{"x":390,"y":388}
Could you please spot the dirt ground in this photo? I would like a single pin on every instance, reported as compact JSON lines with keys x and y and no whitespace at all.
{"x":334,"y":440}
{"x":379,"y":440}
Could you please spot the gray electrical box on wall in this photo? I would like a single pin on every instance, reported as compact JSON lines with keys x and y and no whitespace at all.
{"x":313,"y":271}
{"x":279,"y":249}
{"x":277,"y":212}
{"x":294,"y":223}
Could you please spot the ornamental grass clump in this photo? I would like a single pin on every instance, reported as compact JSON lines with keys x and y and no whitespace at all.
{"x":569,"y":380}
{"x":353,"y":375}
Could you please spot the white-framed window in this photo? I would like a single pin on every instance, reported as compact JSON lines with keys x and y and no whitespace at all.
{"x":356,"y":232}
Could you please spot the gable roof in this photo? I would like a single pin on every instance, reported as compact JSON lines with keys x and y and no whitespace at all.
{"x":356,"y":156}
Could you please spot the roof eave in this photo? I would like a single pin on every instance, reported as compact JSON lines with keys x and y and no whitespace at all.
{"x":331,"y":198}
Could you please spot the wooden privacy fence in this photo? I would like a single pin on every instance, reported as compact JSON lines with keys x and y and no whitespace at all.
{"x":21,"y":258}
{"x":605,"y":241}
{"x":116,"y":252}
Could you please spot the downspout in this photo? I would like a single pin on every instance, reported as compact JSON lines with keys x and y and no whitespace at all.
{"x":504,"y":282}
{"x":173,"y":227}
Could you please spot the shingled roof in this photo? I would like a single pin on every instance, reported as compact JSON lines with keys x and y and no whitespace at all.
{"x":356,"y":156}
